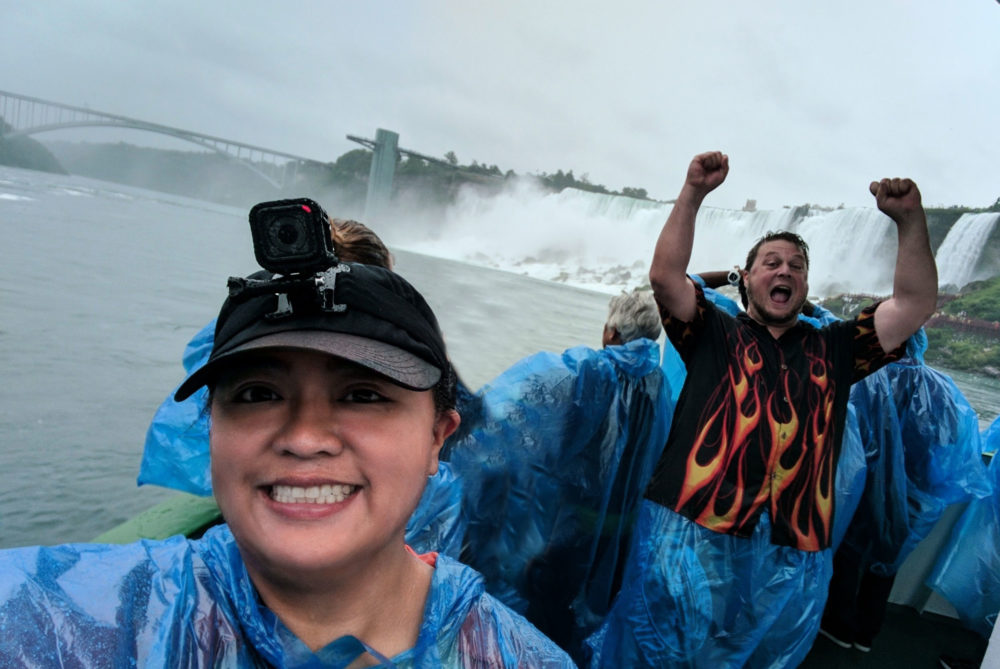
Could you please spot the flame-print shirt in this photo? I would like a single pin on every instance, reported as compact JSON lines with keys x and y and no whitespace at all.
{"x":759,"y":422}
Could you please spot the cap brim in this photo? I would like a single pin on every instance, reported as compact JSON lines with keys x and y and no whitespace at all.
{"x":400,"y":366}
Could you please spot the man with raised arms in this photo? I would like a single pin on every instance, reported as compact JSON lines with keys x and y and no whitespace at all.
{"x":732,"y":558}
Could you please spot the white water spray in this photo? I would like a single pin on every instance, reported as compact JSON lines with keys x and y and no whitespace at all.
{"x":605,"y":242}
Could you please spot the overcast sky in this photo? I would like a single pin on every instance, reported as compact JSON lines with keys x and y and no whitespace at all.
{"x":810,"y":100}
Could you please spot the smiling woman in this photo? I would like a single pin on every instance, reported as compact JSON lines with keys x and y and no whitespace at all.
{"x":331,"y":394}
{"x":317,"y":465}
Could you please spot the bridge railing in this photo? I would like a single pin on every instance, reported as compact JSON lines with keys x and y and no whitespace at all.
{"x":27,"y":115}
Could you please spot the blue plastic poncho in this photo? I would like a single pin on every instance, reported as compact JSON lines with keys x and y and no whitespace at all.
{"x":552,"y":475}
{"x":439,"y":523}
{"x":990,"y":437}
{"x":923,"y":453}
{"x":692,"y":597}
{"x":967,"y":572}
{"x":181,"y":603}
{"x":176,"y":453}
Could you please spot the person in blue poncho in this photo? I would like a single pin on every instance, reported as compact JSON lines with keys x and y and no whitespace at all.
{"x":552,"y":471}
{"x":967,"y":571}
{"x":924,"y":453}
{"x":331,"y":395}
{"x":729,"y":564}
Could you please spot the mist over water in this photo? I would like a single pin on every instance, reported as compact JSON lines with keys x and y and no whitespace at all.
{"x":605,"y":242}
{"x":573,"y":237}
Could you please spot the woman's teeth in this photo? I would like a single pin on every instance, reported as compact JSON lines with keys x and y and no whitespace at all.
{"x":321,"y":494}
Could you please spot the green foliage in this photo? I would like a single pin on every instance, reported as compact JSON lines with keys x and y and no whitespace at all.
{"x":939,"y":222}
{"x":352,"y":166}
{"x":27,"y":153}
{"x":639,"y":193}
{"x":963,"y":338}
{"x":980,"y":300}
{"x":964,"y":351}
{"x":561,"y":180}
{"x":848,"y":305}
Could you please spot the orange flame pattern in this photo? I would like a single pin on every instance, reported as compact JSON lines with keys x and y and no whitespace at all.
{"x":766,"y":434}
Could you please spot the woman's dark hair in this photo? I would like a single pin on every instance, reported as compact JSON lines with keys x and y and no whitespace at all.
{"x":444,"y":391}
{"x":356,"y":242}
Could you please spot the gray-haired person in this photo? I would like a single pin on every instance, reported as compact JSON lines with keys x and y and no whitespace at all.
{"x":631,"y":316}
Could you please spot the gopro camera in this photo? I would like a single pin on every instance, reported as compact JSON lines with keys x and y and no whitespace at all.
{"x":292,"y":237}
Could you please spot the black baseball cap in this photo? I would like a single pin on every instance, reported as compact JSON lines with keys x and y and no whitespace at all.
{"x":385,"y":325}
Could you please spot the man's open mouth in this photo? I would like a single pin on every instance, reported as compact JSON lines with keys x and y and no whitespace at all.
{"x":781,"y":294}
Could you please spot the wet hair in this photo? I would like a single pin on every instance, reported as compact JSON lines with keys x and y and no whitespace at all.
{"x":771,"y":236}
{"x":445,"y":391}
{"x":634,"y":315}
{"x":355,"y":242}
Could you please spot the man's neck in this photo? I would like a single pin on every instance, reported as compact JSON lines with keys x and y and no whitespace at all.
{"x":778,"y":330}
{"x":775,"y":327}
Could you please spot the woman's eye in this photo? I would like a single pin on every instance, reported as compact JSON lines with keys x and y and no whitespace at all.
{"x":364,"y":396}
{"x":252,"y":394}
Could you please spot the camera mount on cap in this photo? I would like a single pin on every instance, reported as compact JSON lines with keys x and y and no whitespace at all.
{"x":292,"y":239}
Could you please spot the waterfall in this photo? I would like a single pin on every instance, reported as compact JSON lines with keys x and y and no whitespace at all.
{"x":605,"y":242}
{"x":850,"y":251}
{"x":958,"y":254}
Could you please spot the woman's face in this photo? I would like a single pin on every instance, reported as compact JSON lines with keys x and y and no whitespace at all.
{"x":317,"y":463}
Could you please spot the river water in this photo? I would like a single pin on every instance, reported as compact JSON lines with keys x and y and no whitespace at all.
{"x":103,"y":286}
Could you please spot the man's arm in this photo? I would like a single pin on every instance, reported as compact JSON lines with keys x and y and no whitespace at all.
{"x":716,"y":279}
{"x":914,"y":284}
{"x":668,"y":270}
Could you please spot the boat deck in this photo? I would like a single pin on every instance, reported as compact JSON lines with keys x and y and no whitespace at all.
{"x":908,"y":640}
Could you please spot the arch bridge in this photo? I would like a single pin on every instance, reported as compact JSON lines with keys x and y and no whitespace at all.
{"x":21,"y":116}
